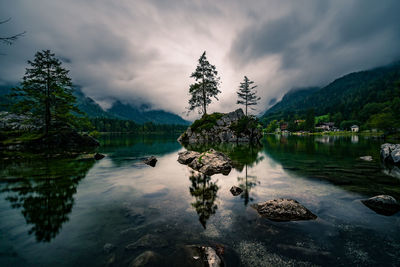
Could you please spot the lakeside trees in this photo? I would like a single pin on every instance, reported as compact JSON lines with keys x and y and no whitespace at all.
{"x":247,"y":96}
{"x":45,"y":94}
{"x":205,"y":87}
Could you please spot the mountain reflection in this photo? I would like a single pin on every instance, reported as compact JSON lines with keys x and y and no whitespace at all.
{"x":44,"y":190}
{"x":205,"y":193}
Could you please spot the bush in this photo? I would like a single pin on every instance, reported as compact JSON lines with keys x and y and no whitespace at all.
{"x":244,"y":125}
{"x":206,"y":122}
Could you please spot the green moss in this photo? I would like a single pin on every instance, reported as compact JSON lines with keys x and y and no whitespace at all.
{"x":207,"y":122}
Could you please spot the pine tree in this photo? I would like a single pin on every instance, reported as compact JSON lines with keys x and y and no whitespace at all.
{"x":45,"y":94}
{"x":206,"y":86}
{"x":246,"y":93}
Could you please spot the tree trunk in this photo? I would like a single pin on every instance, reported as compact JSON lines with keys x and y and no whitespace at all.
{"x":47,"y":112}
{"x":204,"y":98}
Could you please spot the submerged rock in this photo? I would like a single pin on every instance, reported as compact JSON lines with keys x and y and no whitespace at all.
{"x":382,"y":204}
{"x":108,"y":248}
{"x":236,"y":190}
{"x":202,"y":256}
{"x":366,"y":158}
{"x":151,"y":161}
{"x":98,"y":156}
{"x":390,"y":153}
{"x":147,"y":258}
{"x":283,"y":209}
{"x":148,"y":241}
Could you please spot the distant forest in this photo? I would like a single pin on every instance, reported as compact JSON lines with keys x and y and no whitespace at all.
{"x":370,"y":99}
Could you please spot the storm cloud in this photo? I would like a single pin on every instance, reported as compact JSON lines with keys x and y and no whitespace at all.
{"x":144,"y":51}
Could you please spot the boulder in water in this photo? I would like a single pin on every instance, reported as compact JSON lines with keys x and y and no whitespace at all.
{"x":382,"y":204}
{"x":151,"y":161}
{"x":283,"y":209}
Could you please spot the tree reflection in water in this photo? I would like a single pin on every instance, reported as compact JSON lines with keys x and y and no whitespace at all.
{"x":246,"y":184}
{"x":205,"y":193}
{"x":44,"y":190}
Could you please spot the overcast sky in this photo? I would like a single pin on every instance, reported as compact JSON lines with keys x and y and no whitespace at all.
{"x":144,"y":51}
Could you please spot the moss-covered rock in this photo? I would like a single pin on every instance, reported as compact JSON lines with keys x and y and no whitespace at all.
{"x":223,"y":128}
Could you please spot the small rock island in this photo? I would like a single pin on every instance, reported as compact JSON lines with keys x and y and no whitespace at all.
{"x":223,"y":128}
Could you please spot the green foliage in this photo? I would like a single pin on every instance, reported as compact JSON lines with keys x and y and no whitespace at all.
{"x":346,"y":125}
{"x":383,"y":121}
{"x":322,"y":118}
{"x":354,"y":97}
{"x":205,"y":87}
{"x":244,"y":125}
{"x":272,"y":126}
{"x":247,"y":96}
{"x":127,"y":126}
{"x":310,"y":120}
{"x":45,"y":94}
{"x":206,"y":122}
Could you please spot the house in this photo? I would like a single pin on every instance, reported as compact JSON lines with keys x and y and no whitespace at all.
{"x":284,"y":126}
{"x":325,"y":126}
{"x":355,"y":128}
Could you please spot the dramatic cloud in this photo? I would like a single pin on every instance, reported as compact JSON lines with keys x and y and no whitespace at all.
{"x":144,"y":51}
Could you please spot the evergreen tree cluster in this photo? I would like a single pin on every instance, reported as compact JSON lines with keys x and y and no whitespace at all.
{"x":206,"y":87}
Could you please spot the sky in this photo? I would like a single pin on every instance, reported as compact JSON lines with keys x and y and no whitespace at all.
{"x":143,"y":52}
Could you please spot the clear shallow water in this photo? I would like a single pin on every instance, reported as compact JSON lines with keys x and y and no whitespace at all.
{"x":63,"y":211}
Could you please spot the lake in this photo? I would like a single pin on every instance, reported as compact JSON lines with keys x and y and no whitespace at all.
{"x":62,"y":212}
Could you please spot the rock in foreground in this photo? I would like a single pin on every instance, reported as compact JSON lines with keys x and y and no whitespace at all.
{"x":390,"y":153}
{"x":236,"y":190}
{"x":222,"y":128}
{"x":187,"y":156}
{"x":147,"y":258}
{"x":284,"y":210}
{"x":98,"y":156}
{"x":202,"y":256}
{"x":382,"y":204}
{"x":151,"y":161}
{"x":209,"y":163}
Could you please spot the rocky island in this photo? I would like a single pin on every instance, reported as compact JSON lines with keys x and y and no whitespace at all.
{"x":223,"y":128}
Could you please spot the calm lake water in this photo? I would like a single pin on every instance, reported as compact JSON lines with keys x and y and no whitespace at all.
{"x":61,"y":212}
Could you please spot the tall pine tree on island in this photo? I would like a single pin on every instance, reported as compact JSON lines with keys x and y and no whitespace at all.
{"x":205,"y":87}
{"x":247,"y":96}
{"x":45,"y":93}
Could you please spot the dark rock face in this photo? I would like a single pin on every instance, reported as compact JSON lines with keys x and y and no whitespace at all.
{"x":98,"y":156}
{"x":284,"y":210}
{"x":209,"y":163}
{"x":147,"y":258}
{"x":221,"y":132}
{"x":236,"y":190}
{"x":151,"y":161}
{"x":391,"y":153}
{"x":382,"y":204}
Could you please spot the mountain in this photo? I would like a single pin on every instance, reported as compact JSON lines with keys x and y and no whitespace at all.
{"x":89,"y":106}
{"x":4,"y":100}
{"x":138,"y":115}
{"x":117,"y":111}
{"x":355,"y":96}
